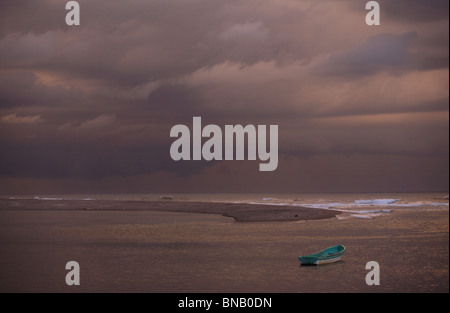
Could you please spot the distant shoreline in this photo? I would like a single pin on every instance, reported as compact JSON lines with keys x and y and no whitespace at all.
{"x":240,"y":212}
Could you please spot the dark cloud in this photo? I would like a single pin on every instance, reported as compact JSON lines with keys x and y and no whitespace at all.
{"x":379,"y":53}
{"x":54,"y":161}
{"x":22,"y":89}
{"x":415,"y":11}
{"x":25,"y":16}
{"x":95,"y":103}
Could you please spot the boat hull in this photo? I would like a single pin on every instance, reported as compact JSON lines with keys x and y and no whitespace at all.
{"x":329,"y":255}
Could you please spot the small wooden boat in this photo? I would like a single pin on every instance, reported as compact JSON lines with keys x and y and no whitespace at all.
{"x":329,"y":255}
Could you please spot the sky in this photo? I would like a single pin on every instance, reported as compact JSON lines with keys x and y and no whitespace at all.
{"x":89,"y":108}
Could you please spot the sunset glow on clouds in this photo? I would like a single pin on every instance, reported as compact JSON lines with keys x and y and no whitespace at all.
{"x":359,"y":108}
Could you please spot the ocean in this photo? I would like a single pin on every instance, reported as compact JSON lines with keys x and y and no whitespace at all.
{"x":124,"y":250}
{"x":352,"y":205}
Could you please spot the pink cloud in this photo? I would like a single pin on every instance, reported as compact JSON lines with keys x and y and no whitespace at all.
{"x":14,"y":119}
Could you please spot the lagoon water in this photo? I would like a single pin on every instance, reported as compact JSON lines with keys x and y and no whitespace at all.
{"x":148,"y":251}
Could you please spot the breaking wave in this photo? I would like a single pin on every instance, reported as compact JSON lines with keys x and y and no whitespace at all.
{"x":355,"y":208}
{"x":376,"y":201}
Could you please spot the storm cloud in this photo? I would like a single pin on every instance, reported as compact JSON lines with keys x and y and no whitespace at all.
{"x":89,"y":108}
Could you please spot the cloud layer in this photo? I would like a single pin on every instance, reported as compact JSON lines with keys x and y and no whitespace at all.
{"x":95,"y":103}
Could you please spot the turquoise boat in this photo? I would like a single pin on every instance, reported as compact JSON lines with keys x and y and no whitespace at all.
{"x":329,"y":255}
